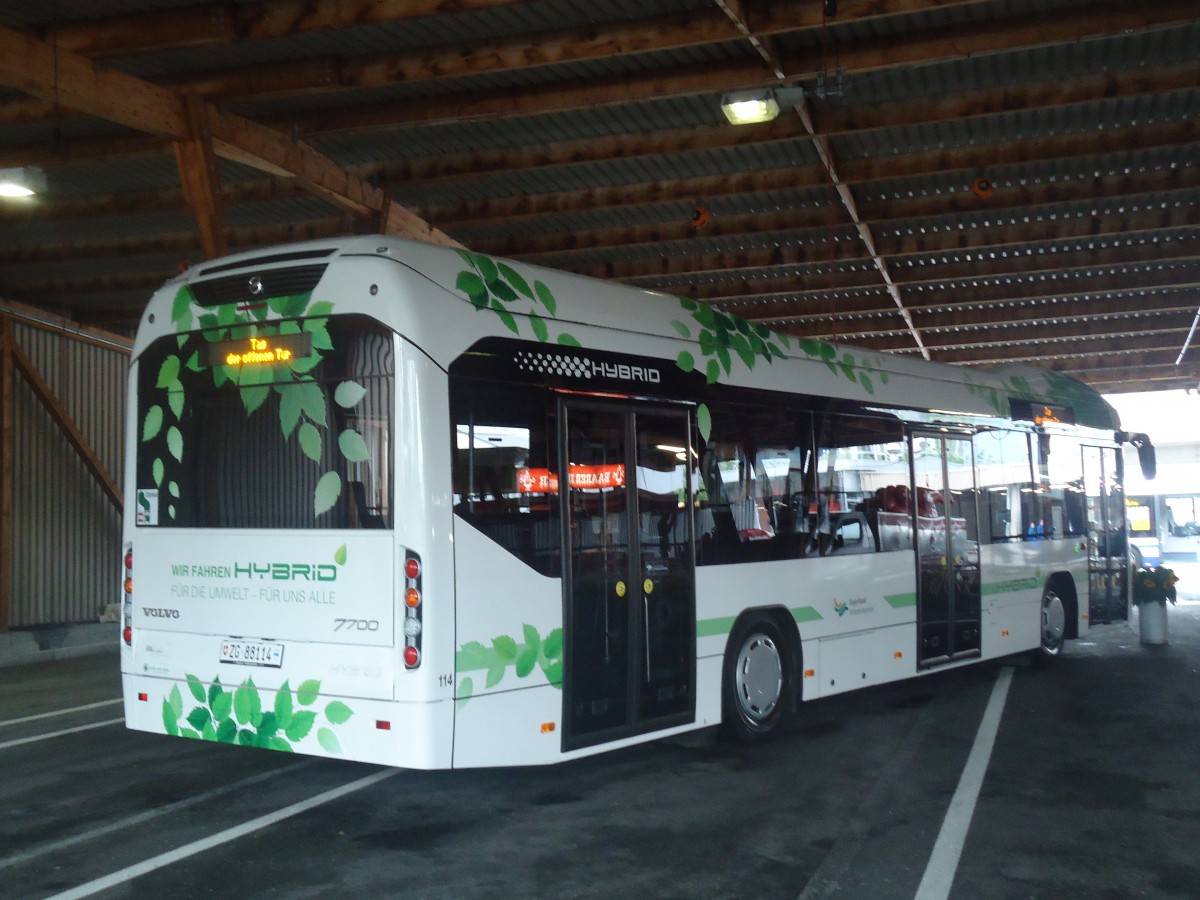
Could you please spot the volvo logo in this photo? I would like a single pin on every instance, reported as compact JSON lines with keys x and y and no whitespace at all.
{"x":256,"y":285}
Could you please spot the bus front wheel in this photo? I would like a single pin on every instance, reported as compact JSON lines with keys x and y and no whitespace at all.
{"x":1054,"y":624}
{"x":756,"y":684}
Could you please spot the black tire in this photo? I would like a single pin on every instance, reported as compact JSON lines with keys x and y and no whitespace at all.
{"x":1053,"y":625}
{"x":757,"y":680}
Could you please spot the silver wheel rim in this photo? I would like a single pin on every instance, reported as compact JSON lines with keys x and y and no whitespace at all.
{"x":759,"y":679}
{"x":1054,"y":620}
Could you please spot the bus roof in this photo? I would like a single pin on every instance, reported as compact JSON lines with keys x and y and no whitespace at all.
{"x":571,"y":313}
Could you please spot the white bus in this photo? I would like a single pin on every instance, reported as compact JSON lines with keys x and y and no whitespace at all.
{"x":1165,"y":527}
{"x":417,"y":506}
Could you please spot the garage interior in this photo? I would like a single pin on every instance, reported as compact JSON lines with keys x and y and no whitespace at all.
{"x":973,"y":182}
{"x":967,"y":181}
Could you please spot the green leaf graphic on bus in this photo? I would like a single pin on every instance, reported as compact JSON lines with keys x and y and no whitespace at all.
{"x":535,"y":652}
{"x":303,"y":409}
{"x":237,"y":715}
{"x":495,"y":285}
{"x":723,"y":336}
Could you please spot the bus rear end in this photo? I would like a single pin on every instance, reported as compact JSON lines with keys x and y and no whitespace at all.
{"x":269,"y":600}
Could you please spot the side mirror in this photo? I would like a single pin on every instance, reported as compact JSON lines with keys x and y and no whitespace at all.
{"x":1146,"y":455}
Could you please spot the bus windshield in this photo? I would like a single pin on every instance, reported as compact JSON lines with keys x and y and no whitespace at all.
{"x":285,"y":425}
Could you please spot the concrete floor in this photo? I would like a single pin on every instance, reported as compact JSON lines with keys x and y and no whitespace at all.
{"x":1091,"y":790}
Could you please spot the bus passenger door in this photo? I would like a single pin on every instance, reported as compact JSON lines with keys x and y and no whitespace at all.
{"x":947,"y":543}
{"x":629,"y":577}
{"x":1108,"y":548}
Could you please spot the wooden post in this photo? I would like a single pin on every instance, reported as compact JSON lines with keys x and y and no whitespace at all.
{"x":198,"y":176}
{"x":18,"y":361}
{"x":6,"y":467}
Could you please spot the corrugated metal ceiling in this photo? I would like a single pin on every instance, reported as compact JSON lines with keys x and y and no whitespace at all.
{"x":1026,"y":169}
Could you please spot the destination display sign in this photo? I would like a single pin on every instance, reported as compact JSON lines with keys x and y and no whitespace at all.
{"x":258,"y":350}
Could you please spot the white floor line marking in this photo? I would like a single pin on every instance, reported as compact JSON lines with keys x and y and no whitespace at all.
{"x":943,"y":861}
{"x":53,"y":734}
{"x":148,"y":815}
{"x":222,"y":837}
{"x":60,"y":712}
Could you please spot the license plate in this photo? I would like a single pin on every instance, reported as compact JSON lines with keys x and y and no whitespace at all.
{"x":252,"y":653}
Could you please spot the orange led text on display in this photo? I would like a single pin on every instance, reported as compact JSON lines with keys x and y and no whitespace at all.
{"x":260,"y":351}
{"x":543,"y":481}
{"x":1046,"y":415}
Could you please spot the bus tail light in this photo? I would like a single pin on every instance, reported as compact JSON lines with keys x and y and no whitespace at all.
{"x":412,"y":609}
{"x":127,"y":598}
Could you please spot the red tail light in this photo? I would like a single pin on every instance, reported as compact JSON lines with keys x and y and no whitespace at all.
{"x":411,"y":592}
{"x":127,"y":599}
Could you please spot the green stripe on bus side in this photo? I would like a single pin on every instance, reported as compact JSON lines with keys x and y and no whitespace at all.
{"x":1016,"y":584}
{"x":805,"y":614}
{"x":900,"y":601}
{"x":713,"y":627}
{"x":724,"y":625}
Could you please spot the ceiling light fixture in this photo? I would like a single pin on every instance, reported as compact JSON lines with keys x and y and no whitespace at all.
{"x":24,"y":181}
{"x":758,"y":105}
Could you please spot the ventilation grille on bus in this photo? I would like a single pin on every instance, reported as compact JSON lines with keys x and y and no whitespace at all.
{"x":253,"y":286}
{"x":268,"y":259}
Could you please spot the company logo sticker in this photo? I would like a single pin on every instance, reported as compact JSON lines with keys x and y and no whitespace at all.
{"x":147,"y":506}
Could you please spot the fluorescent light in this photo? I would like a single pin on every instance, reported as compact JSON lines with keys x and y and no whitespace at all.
{"x":760,"y":104}
{"x":24,"y":181}
{"x":750,"y":107}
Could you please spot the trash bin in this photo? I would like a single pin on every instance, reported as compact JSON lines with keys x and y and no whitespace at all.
{"x":1152,"y":622}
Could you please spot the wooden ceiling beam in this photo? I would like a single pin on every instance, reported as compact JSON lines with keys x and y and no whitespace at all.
{"x":135,"y":203}
{"x":681,"y":271}
{"x":321,"y":75}
{"x":957,"y":171}
{"x":870,"y":326}
{"x":74,"y":82}
{"x":1076,"y":355}
{"x":197,"y":165}
{"x":511,"y":212}
{"x":986,"y":262}
{"x":882,"y":217}
{"x":821,"y":286}
{"x":960,"y":41}
{"x":764,"y":45}
{"x":227,"y":24}
{"x":186,"y":245}
{"x":224,"y":23}
{"x":37,"y":69}
{"x":1097,"y":188}
{"x":1120,"y":379}
{"x":965,"y":335}
{"x":992,"y":294}
{"x":234,"y":23}
{"x":898,"y":245}
{"x":1100,"y":20}
{"x":426,"y":172}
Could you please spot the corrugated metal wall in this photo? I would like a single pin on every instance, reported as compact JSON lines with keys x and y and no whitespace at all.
{"x":66,"y":542}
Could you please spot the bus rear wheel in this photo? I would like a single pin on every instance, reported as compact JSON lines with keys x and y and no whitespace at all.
{"x":1054,"y":624}
{"x":756,"y":682}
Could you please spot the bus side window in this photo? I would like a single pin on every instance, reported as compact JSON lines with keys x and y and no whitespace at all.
{"x":502,"y":481}
{"x":1006,"y":488}
{"x":862,"y":500}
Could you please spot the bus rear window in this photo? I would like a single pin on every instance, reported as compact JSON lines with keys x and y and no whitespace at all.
{"x":287,"y":425}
